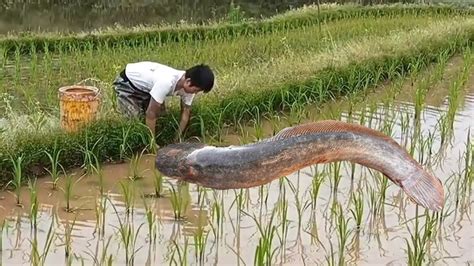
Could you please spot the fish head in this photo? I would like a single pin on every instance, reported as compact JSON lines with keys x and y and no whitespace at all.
{"x":171,"y":160}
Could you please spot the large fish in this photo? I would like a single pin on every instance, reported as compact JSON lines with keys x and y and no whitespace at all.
{"x":297,"y":147}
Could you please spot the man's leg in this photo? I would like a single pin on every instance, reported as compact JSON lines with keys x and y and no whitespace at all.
{"x":128,"y":102}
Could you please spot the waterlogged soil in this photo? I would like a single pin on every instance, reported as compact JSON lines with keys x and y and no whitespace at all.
{"x":305,"y":228}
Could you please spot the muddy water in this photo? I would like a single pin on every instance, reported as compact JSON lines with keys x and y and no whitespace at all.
{"x":310,"y":232}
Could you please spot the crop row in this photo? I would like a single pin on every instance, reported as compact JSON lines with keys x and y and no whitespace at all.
{"x":26,"y":44}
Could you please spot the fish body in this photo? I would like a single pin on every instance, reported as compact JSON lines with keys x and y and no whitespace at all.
{"x":297,"y":147}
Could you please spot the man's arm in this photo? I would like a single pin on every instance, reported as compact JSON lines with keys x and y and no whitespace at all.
{"x":185,"y":114}
{"x":151,"y":114}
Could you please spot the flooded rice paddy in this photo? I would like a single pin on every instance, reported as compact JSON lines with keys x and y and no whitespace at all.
{"x":325,"y":214}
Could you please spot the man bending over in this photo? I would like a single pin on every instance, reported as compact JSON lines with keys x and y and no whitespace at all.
{"x":142,"y":88}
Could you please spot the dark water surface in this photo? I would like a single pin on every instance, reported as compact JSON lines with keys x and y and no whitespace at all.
{"x":67,"y":15}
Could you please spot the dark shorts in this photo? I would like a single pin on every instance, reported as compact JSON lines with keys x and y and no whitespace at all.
{"x":130,"y":101}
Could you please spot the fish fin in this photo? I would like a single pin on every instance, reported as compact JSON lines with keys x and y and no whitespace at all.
{"x":327,"y":126}
{"x":425,"y":190}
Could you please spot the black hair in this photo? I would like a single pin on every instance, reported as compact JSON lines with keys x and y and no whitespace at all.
{"x":201,"y":76}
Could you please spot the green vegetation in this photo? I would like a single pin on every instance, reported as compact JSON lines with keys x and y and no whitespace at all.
{"x":339,"y":58}
{"x":117,"y":38}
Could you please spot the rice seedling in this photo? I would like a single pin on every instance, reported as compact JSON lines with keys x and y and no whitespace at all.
{"x":342,"y":232}
{"x":128,"y":236}
{"x":262,"y":197}
{"x":285,"y":226}
{"x":200,"y":241}
{"x":128,"y":192}
{"x":55,"y":165}
{"x":330,"y":258}
{"x":3,"y":228}
{"x":265,"y":252}
{"x":33,"y":204}
{"x":382,"y":192}
{"x":158,"y":183}
{"x":89,"y":154}
{"x":179,"y":201}
{"x":218,"y":123}
{"x":217,"y":211}
{"x":441,"y":65}
{"x":100,"y":175}
{"x":257,"y":124}
{"x":239,"y":202}
{"x":469,"y":162}
{"x":17,"y":177}
{"x":420,"y":95}
{"x":418,"y":244}
{"x":202,"y":195}
{"x":124,"y":146}
{"x":463,"y":179}
{"x":181,"y":253}
{"x":36,"y":257}
{"x":151,"y":220}
{"x":357,"y":209}
{"x":134,"y":172}
{"x":103,"y":258}
{"x":300,"y":206}
{"x":335,"y":169}
{"x":68,"y":189}
{"x":68,"y":240}
{"x":374,"y":205}
{"x":281,"y":209}
{"x":100,"y":214}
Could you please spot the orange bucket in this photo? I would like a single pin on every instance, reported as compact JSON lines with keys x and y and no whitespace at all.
{"x":78,"y":105}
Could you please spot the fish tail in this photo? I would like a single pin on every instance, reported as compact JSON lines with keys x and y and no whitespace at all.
{"x":425,"y":190}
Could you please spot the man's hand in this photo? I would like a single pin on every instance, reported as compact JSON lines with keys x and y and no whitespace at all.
{"x":152,"y":113}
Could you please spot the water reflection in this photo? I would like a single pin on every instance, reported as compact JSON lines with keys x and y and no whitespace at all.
{"x":87,"y":15}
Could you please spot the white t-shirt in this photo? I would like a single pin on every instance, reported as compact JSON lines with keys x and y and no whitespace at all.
{"x":157,"y":79}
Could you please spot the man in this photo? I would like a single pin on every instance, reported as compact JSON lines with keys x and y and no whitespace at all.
{"x":142,"y":88}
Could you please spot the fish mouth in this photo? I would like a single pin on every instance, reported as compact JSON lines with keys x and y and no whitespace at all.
{"x":171,"y":160}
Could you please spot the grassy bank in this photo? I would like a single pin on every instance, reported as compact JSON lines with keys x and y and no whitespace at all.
{"x":27,"y":44}
{"x":313,"y":77}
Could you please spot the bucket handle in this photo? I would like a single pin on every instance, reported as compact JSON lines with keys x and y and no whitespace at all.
{"x":82,"y":82}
